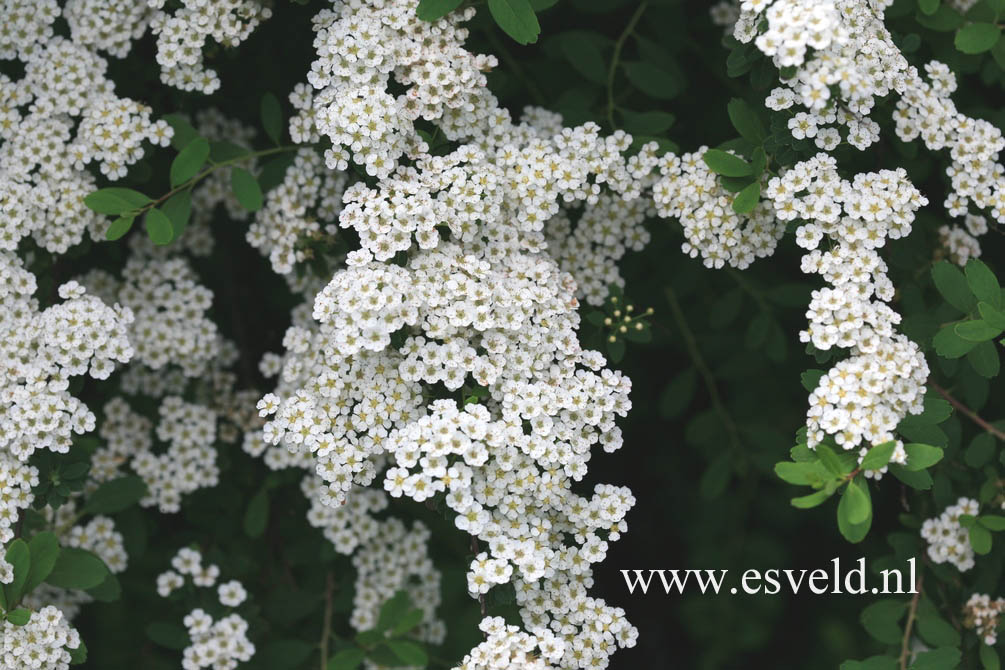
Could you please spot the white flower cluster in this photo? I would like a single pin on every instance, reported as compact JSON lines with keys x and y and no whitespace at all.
{"x":864,"y":397}
{"x":107,"y":25}
{"x":947,"y":539}
{"x":41,"y":644}
{"x":16,"y":481}
{"x":182,"y":35}
{"x":589,"y":246}
{"x":296,"y":211}
{"x":219,"y":644}
{"x":960,"y":243}
{"x":99,"y":537}
{"x":855,"y":56}
{"x":691,"y":192}
{"x":508,"y":648}
{"x":852,"y":54}
{"x":397,"y":558}
{"x":170,"y":306}
{"x":41,"y":351}
{"x":361,"y":46}
{"x":983,"y":614}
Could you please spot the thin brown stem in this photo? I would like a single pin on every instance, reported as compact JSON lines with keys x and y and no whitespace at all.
{"x":699,"y":364}
{"x":327,"y":622}
{"x":905,"y":651}
{"x":616,"y":59}
{"x":971,"y":414}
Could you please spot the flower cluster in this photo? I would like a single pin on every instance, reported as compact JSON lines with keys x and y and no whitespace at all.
{"x":690,"y":191}
{"x":219,"y":644}
{"x":983,"y":614}
{"x":508,"y":648}
{"x":862,"y":399}
{"x":42,"y":644}
{"x":947,"y":539}
{"x":182,"y":35}
{"x":960,"y":243}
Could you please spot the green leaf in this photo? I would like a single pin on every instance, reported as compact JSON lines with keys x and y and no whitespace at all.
{"x":517,"y":19}
{"x":980,"y":452}
{"x":992,"y":314}
{"x":880,"y":620}
{"x":928,"y":7}
{"x":77,"y":569}
{"x":921,"y":456}
{"x":802,"y":474}
{"x":831,"y":461}
{"x":257,"y":515}
{"x":158,"y":227}
{"x":945,"y":658}
{"x":19,"y":556}
{"x":977,"y":38}
{"x":393,"y":610}
{"x":246,"y":189}
{"x":431,"y":10}
{"x":983,"y":283}
{"x":347,"y":659}
{"x":980,"y":539}
{"x":726,"y":164}
{"x":950,"y":345}
{"x":580,"y":49}
{"x":44,"y":550}
{"x":919,"y":480}
{"x":933,"y":629}
{"x":993,"y":522}
{"x":989,"y":658}
{"x":872,"y":663}
{"x":855,"y":502}
{"x":116,"y":495}
{"x":184,"y":133}
{"x":653,"y":80}
{"x":406,"y":623}
{"x":878,"y":456}
{"x":678,"y":394}
{"x":746,"y":121}
{"x":188,"y":161}
{"x":747,"y":199}
{"x":107,"y":591}
{"x":115,"y":200}
{"x":119,"y":227}
{"x":811,"y":379}
{"x":19,"y":617}
{"x":409,"y":652}
{"x":272,"y":116}
{"x":78,"y":655}
{"x":167,"y":634}
{"x":647,"y":123}
{"x":977,"y":330}
{"x":812,"y":500}
{"x":983,"y":358}
{"x":953,"y":286}
{"x":178,"y":209}
{"x":943,"y":19}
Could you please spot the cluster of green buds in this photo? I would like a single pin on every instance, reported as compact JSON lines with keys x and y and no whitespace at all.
{"x":618,"y":321}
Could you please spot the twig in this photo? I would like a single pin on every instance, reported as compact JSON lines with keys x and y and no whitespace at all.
{"x":969,"y":412}
{"x":327,"y":624}
{"x":616,"y":59}
{"x":699,"y":364}
{"x":904,"y":650}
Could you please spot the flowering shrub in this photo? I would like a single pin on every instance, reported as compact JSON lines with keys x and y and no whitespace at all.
{"x":317,"y":316}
